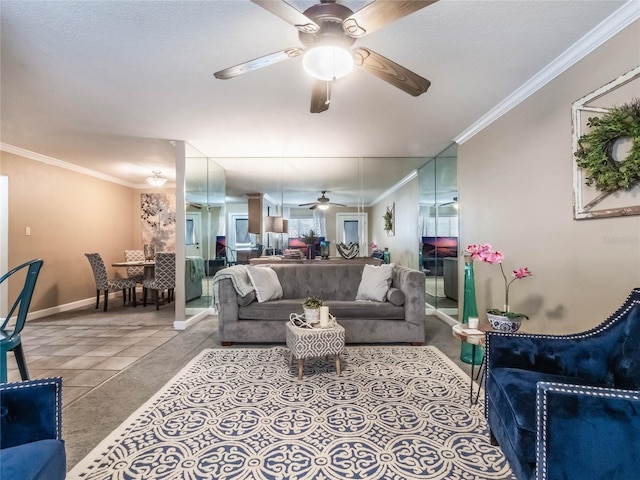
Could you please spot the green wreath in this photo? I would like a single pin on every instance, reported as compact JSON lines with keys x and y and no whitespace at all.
{"x":595,"y":149}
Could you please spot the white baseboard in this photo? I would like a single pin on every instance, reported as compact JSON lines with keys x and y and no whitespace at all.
{"x":197,"y":315}
{"x":73,"y":305}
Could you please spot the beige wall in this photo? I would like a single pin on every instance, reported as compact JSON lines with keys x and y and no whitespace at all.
{"x":404,"y":245}
{"x":516,"y":187}
{"x":69,"y":214}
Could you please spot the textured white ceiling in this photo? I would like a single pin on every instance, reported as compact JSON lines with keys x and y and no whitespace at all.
{"x":106,"y":84}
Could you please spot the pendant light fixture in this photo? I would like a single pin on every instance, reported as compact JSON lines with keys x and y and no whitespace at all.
{"x":156,"y":180}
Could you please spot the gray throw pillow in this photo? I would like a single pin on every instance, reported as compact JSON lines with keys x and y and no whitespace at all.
{"x":395,"y":296}
{"x":265,"y":282}
{"x":375,"y":282}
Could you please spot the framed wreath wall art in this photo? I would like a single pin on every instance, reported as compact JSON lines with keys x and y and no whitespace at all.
{"x":389,"y":220}
{"x":606,"y":148}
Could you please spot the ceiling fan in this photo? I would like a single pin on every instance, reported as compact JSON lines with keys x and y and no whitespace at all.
{"x":327,"y":30}
{"x":322,"y":203}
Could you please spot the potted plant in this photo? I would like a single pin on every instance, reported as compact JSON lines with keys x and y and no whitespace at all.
{"x":505,"y":319}
{"x":310,"y":239}
{"x":311,"y":306}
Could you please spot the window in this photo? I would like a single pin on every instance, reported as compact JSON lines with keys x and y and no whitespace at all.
{"x":243,"y":239}
{"x":351,"y":231}
{"x":300,"y":226}
{"x":191,"y":233}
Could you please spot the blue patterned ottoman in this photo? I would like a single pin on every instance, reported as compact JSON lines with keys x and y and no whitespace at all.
{"x":315,"y":342}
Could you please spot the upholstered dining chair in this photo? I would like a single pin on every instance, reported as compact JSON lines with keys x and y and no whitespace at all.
{"x":10,"y":340}
{"x":103,"y":283}
{"x":135,"y":273}
{"x":165,"y":278}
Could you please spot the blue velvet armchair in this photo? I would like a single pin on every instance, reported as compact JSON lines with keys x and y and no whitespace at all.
{"x":31,"y":447}
{"x":568,"y":407}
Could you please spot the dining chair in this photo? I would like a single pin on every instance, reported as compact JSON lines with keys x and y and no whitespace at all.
{"x":165,"y":278}
{"x":135,"y":273}
{"x":103,"y":282}
{"x":10,"y":336}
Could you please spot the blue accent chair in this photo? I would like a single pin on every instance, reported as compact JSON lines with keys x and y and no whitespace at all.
{"x":31,"y":445}
{"x":568,"y":406}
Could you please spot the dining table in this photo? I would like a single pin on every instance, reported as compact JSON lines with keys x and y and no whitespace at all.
{"x":149,"y":266}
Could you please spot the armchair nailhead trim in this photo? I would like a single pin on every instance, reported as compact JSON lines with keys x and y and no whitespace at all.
{"x":46,"y":381}
{"x":541,"y":408}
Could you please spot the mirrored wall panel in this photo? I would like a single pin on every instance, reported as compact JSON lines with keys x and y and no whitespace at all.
{"x":438,"y":228}
{"x":205,"y":228}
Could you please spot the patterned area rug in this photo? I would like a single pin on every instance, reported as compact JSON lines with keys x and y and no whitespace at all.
{"x":396,"y":413}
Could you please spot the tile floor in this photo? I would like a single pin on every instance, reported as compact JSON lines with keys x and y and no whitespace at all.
{"x":85,"y":356}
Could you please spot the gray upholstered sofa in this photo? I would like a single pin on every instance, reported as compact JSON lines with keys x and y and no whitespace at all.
{"x":243,"y":319}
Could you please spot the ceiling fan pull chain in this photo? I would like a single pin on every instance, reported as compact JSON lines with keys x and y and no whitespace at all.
{"x":328,"y":101}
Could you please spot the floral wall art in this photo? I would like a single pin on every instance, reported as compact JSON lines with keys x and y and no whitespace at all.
{"x":158,"y":217}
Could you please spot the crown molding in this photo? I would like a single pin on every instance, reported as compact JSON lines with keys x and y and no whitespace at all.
{"x":601,"y":33}
{"x":38,"y":157}
{"x":395,"y":187}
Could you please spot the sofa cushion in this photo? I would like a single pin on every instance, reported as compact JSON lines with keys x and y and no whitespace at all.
{"x":375,"y":282}
{"x":281,"y":309}
{"x":265,"y":282}
{"x":41,"y":460}
{"x":515,"y":396}
{"x":323,"y":280}
{"x":396,"y":296}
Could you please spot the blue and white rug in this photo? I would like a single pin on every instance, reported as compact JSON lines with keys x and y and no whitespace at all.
{"x":395,"y":413}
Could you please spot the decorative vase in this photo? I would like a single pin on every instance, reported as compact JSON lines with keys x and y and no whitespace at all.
{"x":311,"y":251}
{"x":386,"y":256}
{"x":504,"y":324}
{"x":149,"y":251}
{"x":324,"y":249}
{"x":470,"y":309}
{"x":312,"y":315}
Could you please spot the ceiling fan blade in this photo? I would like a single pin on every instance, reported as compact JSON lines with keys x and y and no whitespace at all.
{"x":336,"y":204}
{"x":378,"y":14}
{"x":320,"y":96}
{"x":257,"y":63}
{"x":307,"y":204}
{"x":289,"y":14}
{"x":390,"y":72}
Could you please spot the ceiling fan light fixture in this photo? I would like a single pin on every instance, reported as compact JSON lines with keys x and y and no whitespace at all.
{"x":327,"y":63}
{"x":156,"y":180}
{"x":323,"y":206}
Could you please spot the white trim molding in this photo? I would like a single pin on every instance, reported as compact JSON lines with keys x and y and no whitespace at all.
{"x":609,"y":27}
{"x":395,"y":187}
{"x":38,"y":157}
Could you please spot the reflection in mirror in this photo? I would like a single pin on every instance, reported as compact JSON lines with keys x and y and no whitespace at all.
{"x":205,"y":228}
{"x":438,"y":227}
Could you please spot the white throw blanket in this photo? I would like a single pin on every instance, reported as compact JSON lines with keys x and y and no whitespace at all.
{"x":239,"y":278}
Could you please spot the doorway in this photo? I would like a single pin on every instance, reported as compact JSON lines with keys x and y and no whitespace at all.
{"x":353,"y":227}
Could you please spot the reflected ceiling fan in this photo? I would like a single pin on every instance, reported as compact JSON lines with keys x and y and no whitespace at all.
{"x":327,"y":30}
{"x":322,"y":203}
{"x":453,"y":202}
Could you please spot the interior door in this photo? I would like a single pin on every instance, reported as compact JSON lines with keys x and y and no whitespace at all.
{"x":353,"y":227}
{"x":193,"y":234}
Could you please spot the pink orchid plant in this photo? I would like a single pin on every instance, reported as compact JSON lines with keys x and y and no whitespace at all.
{"x":486,"y":254}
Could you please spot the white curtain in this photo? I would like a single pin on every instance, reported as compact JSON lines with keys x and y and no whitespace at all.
{"x":320,"y":223}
